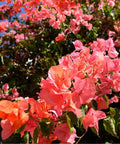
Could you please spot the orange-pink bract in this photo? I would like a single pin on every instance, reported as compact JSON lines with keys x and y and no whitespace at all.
{"x":82,"y":76}
{"x":55,"y":89}
{"x":92,"y":117}
{"x":3,"y":26}
{"x":12,"y":117}
{"x":62,"y":132}
{"x":84,"y":91}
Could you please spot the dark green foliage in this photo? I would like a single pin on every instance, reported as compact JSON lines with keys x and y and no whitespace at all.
{"x":23,"y":64}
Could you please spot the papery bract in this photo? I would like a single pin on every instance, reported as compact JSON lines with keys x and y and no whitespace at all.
{"x":3,"y":26}
{"x":101,"y":103}
{"x":92,"y":117}
{"x":55,"y":90}
{"x":12,"y":117}
{"x":62,"y":132}
{"x":84,"y":91}
{"x":7,"y":129}
{"x":5,"y":87}
{"x":78,"y":45}
{"x":60,"y":37}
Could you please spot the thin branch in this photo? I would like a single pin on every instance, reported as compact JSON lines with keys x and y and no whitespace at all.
{"x":81,"y":137}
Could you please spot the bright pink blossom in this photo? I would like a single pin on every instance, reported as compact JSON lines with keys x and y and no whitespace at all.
{"x":62,"y":131}
{"x":92,"y":117}
{"x":7,"y":129}
{"x":101,"y":4}
{"x":111,"y":33}
{"x":5,"y":87}
{"x":116,"y":81}
{"x":88,"y":17}
{"x":78,"y":45}
{"x":3,"y":26}
{"x":83,"y":92}
{"x":20,"y":37}
{"x":111,"y":3}
{"x":101,"y":103}
{"x":12,"y":117}
{"x":55,"y":90}
{"x":114,"y":99}
{"x":117,"y":43}
{"x":60,"y":37}
{"x":15,"y":92}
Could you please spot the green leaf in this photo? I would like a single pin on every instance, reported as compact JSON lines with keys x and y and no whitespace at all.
{"x":27,"y":137}
{"x":20,"y":129}
{"x":118,"y":126}
{"x":69,"y":124}
{"x":29,"y":106}
{"x":46,"y":127}
{"x":84,"y":108}
{"x":36,"y":134}
{"x":94,"y":104}
{"x":108,"y":143}
{"x":94,"y":131}
{"x":106,"y":99}
{"x":112,"y":111}
{"x":86,"y":76}
{"x":110,"y":72}
{"x":2,"y":60}
{"x":109,"y":125}
{"x":73,"y":118}
{"x":117,"y":115}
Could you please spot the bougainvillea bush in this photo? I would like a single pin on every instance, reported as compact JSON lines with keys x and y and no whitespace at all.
{"x":60,"y":71}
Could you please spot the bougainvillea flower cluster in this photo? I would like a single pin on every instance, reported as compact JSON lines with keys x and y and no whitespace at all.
{"x":81,"y":86}
{"x":80,"y":77}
